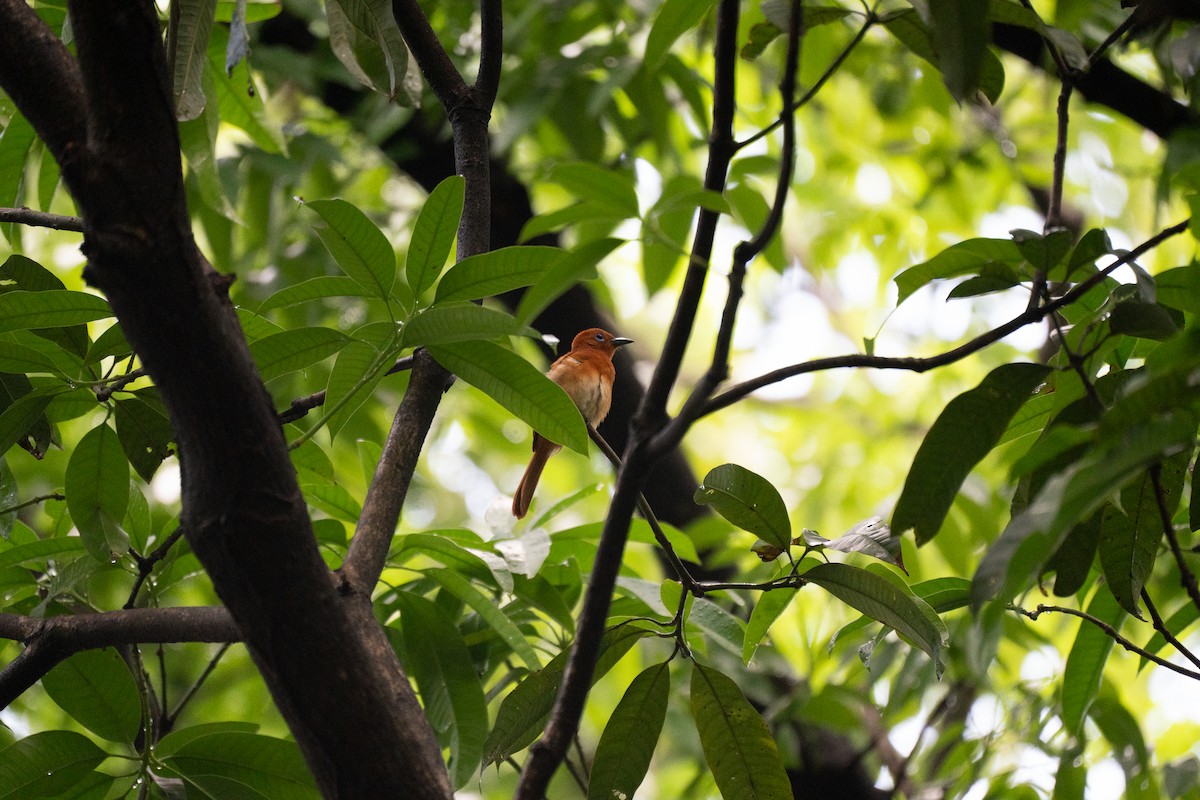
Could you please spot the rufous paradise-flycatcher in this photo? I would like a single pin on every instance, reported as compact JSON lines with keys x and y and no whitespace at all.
{"x":586,"y":373}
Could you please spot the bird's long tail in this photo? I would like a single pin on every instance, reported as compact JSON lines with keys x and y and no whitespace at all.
{"x":542,"y":450}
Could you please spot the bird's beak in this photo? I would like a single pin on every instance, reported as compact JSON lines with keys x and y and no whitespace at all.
{"x":621,"y":341}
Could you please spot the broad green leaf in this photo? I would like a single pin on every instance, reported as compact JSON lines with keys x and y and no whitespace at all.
{"x":97,"y":489}
{"x":188,"y":45}
{"x":966,"y":431}
{"x":46,"y":764}
{"x":675,"y":18}
{"x":487,"y":610}
{"x":881,"y":599}
{"x":463,"y":553}
{"x":572,"y":267}
{"x":96,"y":689}
{"x":522,"y":714}
{"x":8,"y":498}
{"x":1130,"y":532}
{"x":145,"y":433}
{"x":365,"y":38}
{"x":1091,"y":246}
{"x":25,"y":310}
{"x":965,"y":258}
{"x":1043,"y":252}
{"x":357,"y":245}
{"x":38,"y":551}
{"x":242,"y":766}
{"x":295,"y":349}
{"x":17,"y":358}
{"x":961,"y":33}
{"x":198,"y":141}
{"x":516,"y":385}
{"x":611,"y":190}
{"x":438,"y":659}
{"x":320,"y":288}
{"x":1085,"y":662}
{"x":359,"y":368}
{"x":747,"y":500}
{"x":21,"y":416}
{"x":1143,"y":320}
{"x":457,"y":322}
{"x":737,"y":744}
{"x":433,"y":234}
{"x":627,"y":744}
{"x":179,"y":737}
{"x":907,"y":27}
{"x":334,"y":500}
{"x":15,"y":142}
{"x":766,"y":610}
{"x":496,"y":272}
{"x":1072,"y":561}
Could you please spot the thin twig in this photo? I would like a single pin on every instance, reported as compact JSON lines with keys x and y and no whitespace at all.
{"x":302,"y":405}
{"x":1160,"y":626}
{"x":33,"y":501}
{"x":146,"y":565}
{"x":1110,"y":632}
{"x":106,"y":390}
{"x":41,"y":219}
{"x":169,"y":719}
{"x":862,"y":360}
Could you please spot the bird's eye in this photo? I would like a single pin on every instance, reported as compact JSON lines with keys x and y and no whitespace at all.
{"x":599,"y":337}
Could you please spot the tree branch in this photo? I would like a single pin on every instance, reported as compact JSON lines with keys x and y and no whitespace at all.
{"x":41,"y":219}
{"x":548,"y":753}
{"x":54,"y":639}
{"x":393,"y":475}
{"x":860,"y":360}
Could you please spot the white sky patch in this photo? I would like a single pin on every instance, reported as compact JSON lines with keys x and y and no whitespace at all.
{"x":873,"y":185}
{"x":165,"y":486}
{"x":1042,"y":665}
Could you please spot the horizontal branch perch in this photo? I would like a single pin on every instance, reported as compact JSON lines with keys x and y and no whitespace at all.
{"x":51,"y":640}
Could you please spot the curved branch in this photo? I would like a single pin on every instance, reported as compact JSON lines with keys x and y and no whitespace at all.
{"x":443,"y":77}
{"x":737,"y":392}
{"x":54,"y":639}
{"x":491,"y":51}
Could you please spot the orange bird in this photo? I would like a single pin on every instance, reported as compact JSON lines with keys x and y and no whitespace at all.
{"x":586,"y":374}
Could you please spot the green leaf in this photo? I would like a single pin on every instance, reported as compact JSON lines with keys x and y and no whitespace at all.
{"x":46,"y":764}
{"x":17,"y":358}
{"x":961,"y":33}
{"x":457,"y":322}
{"x":881,"y":599}
{"x":907,"y":27}
{"x":438,"y":659}
{"x":966,"y":431}
{"x":965,"y":258}
{"x":1043,"y":252}
{"x":487,"y":610}
{"x":21,"y":417}
{"x":572,"y":267}
{"x":315,"y":289}
{"x":675,"y":18}
{"x":1143,"y":320}
{"x":24,"y":310}
{"x":97,"y":690}
{"x":433,"y":234}
{"x":357,"y":245}
{"x":460,"y":550}
{"x":15,"y":143}
{"x":611,"y":190}
{"x":522,"y":714}
{"x":297,"y":349}
{"x":173,"y":741}
{"x":747,"y":500}
{"x":1091,"y":246}
{"x":365,"y":38}
{"x":768,"y":608}
{"x":242,"y":766}
{"x":357,"y":371}
{"x":737,"y":744}
{"x":97,"y":489}
{"x":145,"y":433}
{"x":627,"y":744}
{"x":1130,"y":533}
{"x":516,"y":385}
{"x":495,"y":272}
{"x":1085,"y":662}
{"x":189,"y":44}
